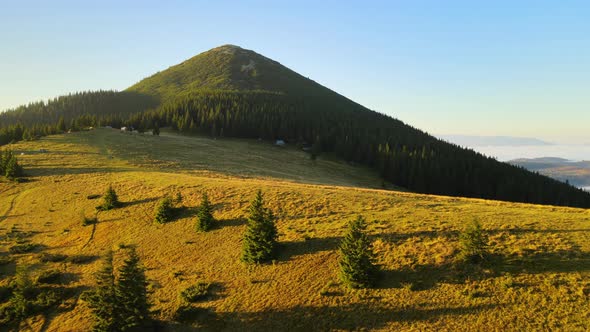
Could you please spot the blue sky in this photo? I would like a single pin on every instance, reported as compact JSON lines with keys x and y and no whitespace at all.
{"x":519,"y":68}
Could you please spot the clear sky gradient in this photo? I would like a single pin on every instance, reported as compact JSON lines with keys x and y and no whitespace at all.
{"x":519,"y":68}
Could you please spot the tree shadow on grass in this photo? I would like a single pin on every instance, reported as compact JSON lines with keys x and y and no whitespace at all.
{"x":235,"y":222}
{"x":82,"y":259}
{"x":181,"y":212}
{"x":454,"y":234}
{"x":32,"y":173}
{"x":424,"y":277}
{"x":288,"y":250}
{"x":561,"y":261}
{"x":69,"y":299}
{"x":360,"y":316}
{"x":138,"y":202}
{"x":7,"y":267}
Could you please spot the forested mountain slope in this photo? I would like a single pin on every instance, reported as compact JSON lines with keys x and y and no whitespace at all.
{"x":232,"y":92}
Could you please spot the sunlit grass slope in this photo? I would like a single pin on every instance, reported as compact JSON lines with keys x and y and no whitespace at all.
{"x":537,"y":280}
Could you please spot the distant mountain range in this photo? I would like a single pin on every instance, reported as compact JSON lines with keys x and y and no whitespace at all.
{"x":576,"y":173}
{"x":472,"y":141}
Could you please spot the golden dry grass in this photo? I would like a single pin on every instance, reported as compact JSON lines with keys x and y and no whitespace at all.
{"x":538,"y":279}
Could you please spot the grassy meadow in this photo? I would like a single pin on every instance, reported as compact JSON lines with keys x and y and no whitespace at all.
{"x":538,"y":277}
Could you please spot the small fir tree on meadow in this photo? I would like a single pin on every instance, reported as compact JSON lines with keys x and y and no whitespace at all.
{"x":357,"y":267}
{"x":110,"y":200}
{"x":260,"y":239}
{"x":473,"y":243}
{"x":164,"y":211}
{"x":102,"y":300}
{"x":20,"y":302}
{"x":156,"y":130}
{"x":131,"y":294}
{"x":205,"y":218}
{"x":9,"y":165}
{"x":13,"y":169}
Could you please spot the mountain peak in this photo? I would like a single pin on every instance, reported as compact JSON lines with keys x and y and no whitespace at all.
{"x":226,"y":47}
{"x":228,"y":67}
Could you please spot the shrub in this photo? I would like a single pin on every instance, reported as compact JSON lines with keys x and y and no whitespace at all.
{"x":5,"y":293}
{"x":357,"y":268}
{"x":5,"y":260}
{"x":473,"y":243}
{"x":81,"y":259}
{"x":164,"y":211}
{"x":22,"y":248}
{"x":52,"y":258}
{"x":46,"y":298}
{"x":205,"y":218}
{"x":189,"y":314}
{"x":49,"y":277}
{"x":260,"y":240}
{"x":23,"y":293}
{"x":110,"y":200}
{"x":87,"y":221}
{"x":196,"y":292}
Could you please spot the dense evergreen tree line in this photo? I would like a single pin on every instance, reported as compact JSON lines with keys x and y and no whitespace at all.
{"x":71,"y":112}
{"x":403,"y":155}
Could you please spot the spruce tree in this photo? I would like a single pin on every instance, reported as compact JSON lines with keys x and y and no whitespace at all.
{"x":164,"y":210}
{"x":102,"y":300}
{"x":473,"y":243}
{"x":20,"y":302}
{"x":156,"y":130}
{"x":110,"y":200}
{"x":205,"y":218}
{"x":131,"y":294}
{"x":61,"y":124}
{"x":12,"y":169}
{"x":260,"y":240}
{"x":357,"y":268}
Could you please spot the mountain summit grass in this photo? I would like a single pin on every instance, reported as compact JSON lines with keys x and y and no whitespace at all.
{"x":228,"y":67}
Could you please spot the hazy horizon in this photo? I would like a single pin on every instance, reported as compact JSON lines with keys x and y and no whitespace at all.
{"x":506,"y":148}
